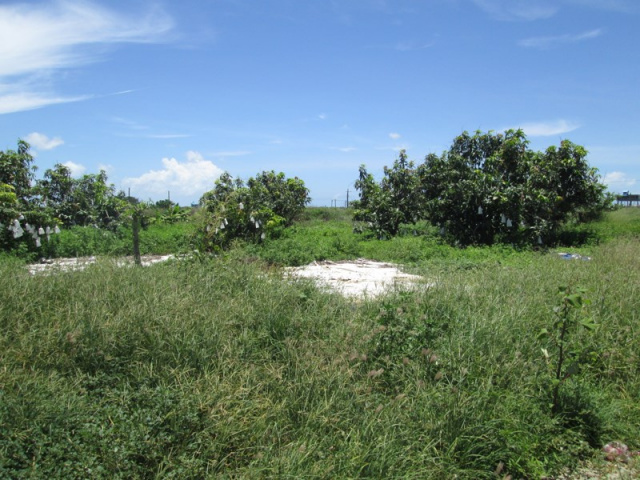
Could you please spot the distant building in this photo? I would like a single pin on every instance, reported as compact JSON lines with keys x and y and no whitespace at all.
{"x":628,"y":200}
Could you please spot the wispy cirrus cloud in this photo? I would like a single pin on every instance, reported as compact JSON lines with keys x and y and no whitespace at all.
{"x":37,"y":39}
{"x":14,"y":98}
{"x":530,"y":10}
{"x":523,"y":10}
{"x":545,"y":129}
{"x":622,"y":6}
{"x":552,"y":41}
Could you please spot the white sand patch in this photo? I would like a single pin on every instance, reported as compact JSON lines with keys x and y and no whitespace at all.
{"x":80,"y":263}
{"x":359,"y":278}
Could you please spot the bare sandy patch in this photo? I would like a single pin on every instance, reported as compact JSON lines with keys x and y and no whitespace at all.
{"x":80,"y":263}
{"x":359,"y":278}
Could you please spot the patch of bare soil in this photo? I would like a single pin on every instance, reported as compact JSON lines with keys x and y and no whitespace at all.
{"x":360,"y":278}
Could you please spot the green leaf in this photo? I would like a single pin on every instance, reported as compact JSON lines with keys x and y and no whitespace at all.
{"x":575,"y":300}
{"x":543,"y":333}
{"x":588,"y":323}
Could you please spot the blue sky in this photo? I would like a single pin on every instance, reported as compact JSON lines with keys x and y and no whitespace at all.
{"x":165,"y":95}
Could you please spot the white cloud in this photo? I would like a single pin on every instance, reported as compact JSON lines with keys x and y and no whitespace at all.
{"x":347,"y":149}
{"x":623,"y":6}
{"x":518,"y":9}
{"x":529,"y":10}
{"x":547,"y":42}
{"x":546,"y":129}
{"x":107,"y":168}
{"x":12,"y":101}
{"x":39,"y":38}
{"x":619,"y":181}
{"x":187,"y":179}
{"x":40,"y":141}
{"x":322,"y":116}
{"x":76,"y":169}
{"x":394,"y":136}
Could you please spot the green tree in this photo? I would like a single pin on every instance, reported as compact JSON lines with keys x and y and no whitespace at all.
{"x":88,"y":200}
{"x":8,"y":204}
{"x":395,"y":200}
{"x":490,"y":187}
{"x":262,"y":207}
{"x":166,"y":204}
{"x":24,"y":221}
{"x":17,"y":170}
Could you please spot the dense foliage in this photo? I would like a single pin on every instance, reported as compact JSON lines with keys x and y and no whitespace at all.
{"x":220,"y":368}
{"x":263,"y":207}
{"x":486,"y":188}
{"x":88,"y":200}
{"x":23,"y":221}
{"x":31,"y":210}
{"x":396,"y":200}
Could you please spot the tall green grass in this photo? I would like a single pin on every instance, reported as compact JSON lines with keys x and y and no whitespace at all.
{"x":225,"y":369}
{"x":158,"y":239}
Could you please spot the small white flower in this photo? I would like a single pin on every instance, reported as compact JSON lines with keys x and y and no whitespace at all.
{"x":241,"y":206}
{"x":57,"y":229}
{"x":263,"y":236}
{"x":509,"y":224}
{"x":38,"y":244}
{"x":480,"y":210}
{"x":41,"y":231}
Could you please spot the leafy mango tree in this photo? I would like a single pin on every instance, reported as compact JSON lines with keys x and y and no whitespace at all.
{"x":262,"y":207}
{"x":492,"y":188}
{"x":487,"y":188}
{"x":23,"y":221}
{"x":88,"y":200}
{"x":383,"y":207}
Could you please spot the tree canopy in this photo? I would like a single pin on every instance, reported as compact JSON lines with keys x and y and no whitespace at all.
{"x":263,"y":206}
{"x":488,"y":187}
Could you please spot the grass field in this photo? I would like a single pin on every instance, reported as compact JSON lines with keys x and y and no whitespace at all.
{"x":220,"y":368}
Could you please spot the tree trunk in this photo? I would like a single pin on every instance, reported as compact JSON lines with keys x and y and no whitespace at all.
{"x":136,"y":239}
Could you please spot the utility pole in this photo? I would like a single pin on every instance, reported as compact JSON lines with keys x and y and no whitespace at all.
{"x":347,"y":198}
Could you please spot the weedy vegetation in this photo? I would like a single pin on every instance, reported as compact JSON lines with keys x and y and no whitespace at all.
{"x":218,"y":367}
